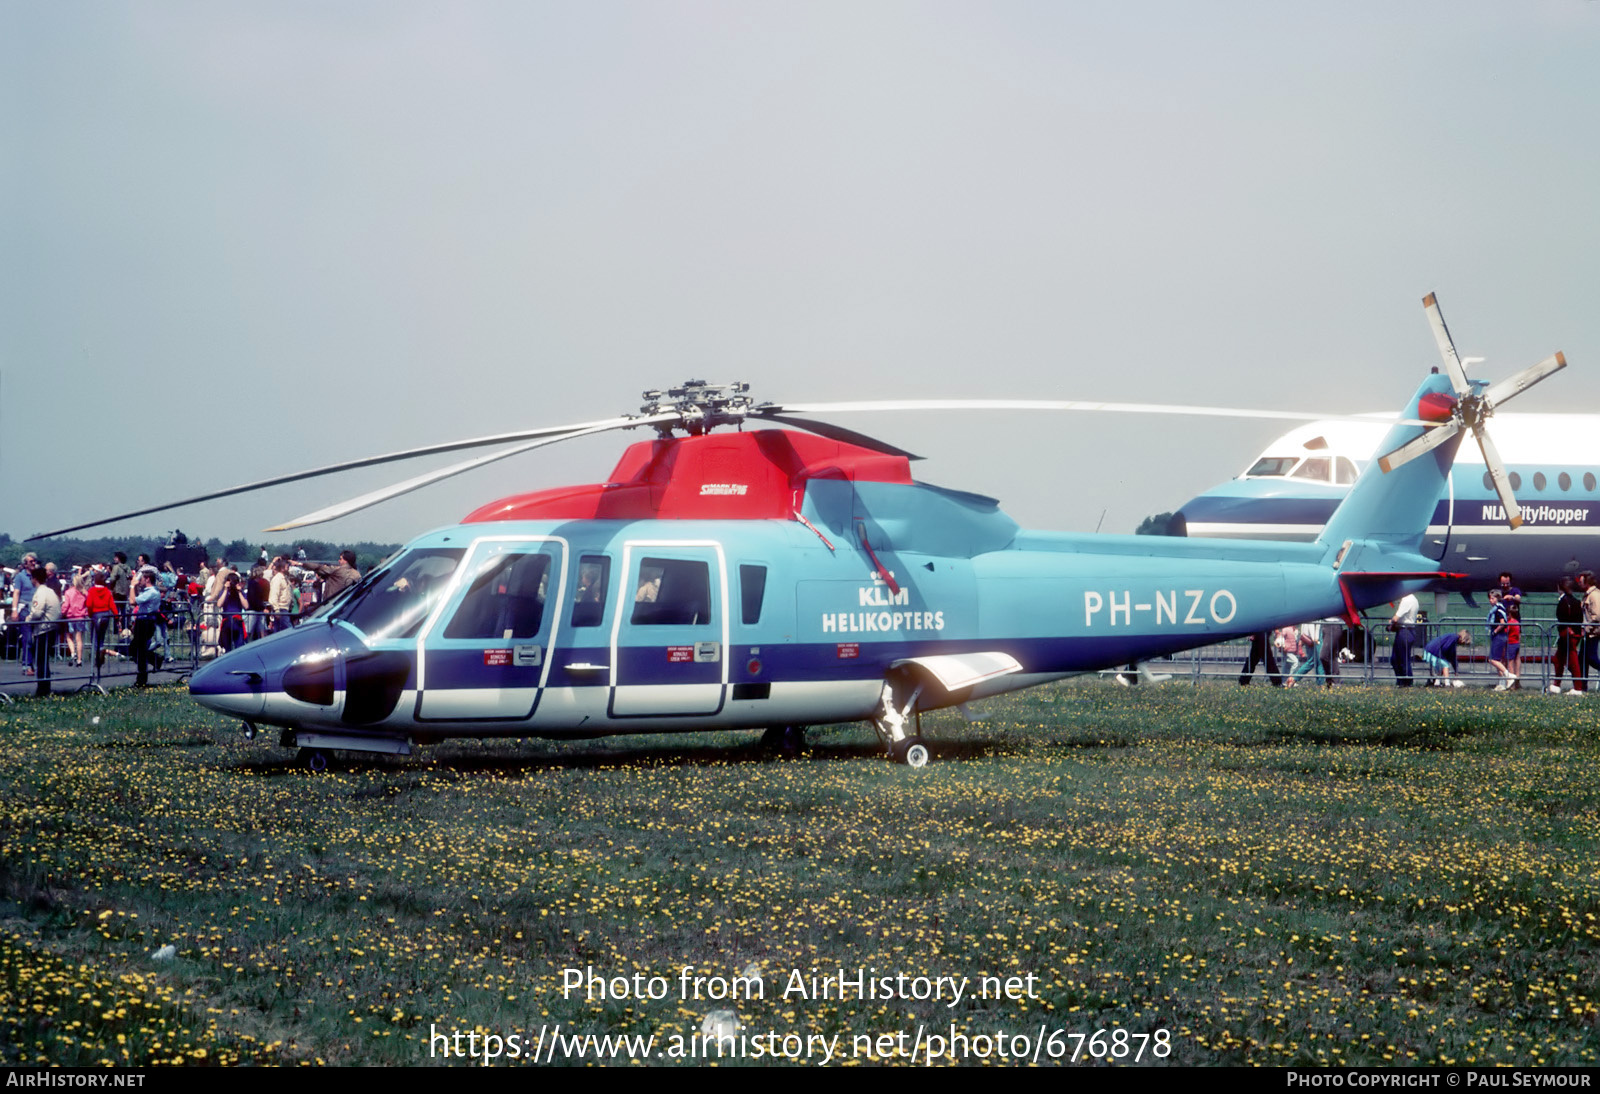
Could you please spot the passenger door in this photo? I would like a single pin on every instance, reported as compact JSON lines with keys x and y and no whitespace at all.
{"x":669,"y":636}
{"x":484,"y":657}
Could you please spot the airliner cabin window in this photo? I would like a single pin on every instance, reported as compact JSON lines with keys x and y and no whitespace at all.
{"x":589,"y":602}
{"x":505,"y":600}
{"x":672,"y":593}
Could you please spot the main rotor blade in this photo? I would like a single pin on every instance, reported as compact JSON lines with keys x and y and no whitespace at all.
{"x":835,"y":433}
{"x":1513,"y":386}
{"x":552,"y":432}
{"x":355,"y":505}
{"x":1409,"y":451}
{"x":1447,"y":347}
{"x":1068,"y":404}
{"x":1497,"y":473}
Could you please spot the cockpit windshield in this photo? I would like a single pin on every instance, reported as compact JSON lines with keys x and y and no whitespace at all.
{"x":392,"y":601}
{"x":1317,"y":469}
{"x":1271,"y":467}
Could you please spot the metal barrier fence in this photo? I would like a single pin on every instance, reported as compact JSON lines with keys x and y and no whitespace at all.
{"x":94,"y":653}
{"x":1543,"y":656}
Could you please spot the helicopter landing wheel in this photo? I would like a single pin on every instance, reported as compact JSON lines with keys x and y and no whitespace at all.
{"x":911,"y":752}
{"x":313,"y":760}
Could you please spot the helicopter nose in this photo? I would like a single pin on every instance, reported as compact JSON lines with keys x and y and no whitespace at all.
{"x":234,"y":683}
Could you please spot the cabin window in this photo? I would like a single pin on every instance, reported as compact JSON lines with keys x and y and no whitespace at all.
{"x":392,"y":601}
{"x":752,"y":588}
{"x":672,"y":593}
{"x":505,"y":600}
{"x":1538,"y":480}
{"x":589,"y":602}
{"x":1564,"y":481}
{"x":1588,"y":481}
{"x":1347,"y":472}
{"x":1516,"y":481}
{"x":1316,"y":468}
{"x":1271,"y":467}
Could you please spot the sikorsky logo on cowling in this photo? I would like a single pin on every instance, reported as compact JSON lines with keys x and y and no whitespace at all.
{"x":723,"y":489}
{"x":1184,"y":607}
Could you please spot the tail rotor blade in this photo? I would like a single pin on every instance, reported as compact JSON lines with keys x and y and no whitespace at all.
{"x":1522,"y":381}
{"x":1409,"y":451}
{"x":1447,"y":347}
{"x":1497,"y":473}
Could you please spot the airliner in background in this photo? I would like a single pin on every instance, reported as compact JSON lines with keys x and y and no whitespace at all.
{"x":1289,"y":492}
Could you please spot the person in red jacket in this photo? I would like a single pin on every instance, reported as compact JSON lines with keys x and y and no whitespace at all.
{"x":102,"y":608}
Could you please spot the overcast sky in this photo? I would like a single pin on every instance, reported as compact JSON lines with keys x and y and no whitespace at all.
{"x":238,"y":240}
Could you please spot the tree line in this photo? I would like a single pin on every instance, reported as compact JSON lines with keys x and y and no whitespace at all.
{"x":69,"y":551}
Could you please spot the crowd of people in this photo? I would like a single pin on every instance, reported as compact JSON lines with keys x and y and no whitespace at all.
{"x":120,"y":609}
{"x":1320,"y":647}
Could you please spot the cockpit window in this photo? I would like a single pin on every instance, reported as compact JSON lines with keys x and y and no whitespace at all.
{"x":1271,"y":467}
{"x":1318,"y":469}
{"x":1347,"y":472}
{"x":391,"y":602}
{"x":506,"y":598}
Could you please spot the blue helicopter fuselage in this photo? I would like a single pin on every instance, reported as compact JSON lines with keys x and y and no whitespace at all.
{"x":780,"y":580}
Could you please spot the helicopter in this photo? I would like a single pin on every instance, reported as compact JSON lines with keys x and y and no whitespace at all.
{"x":771,"y":579}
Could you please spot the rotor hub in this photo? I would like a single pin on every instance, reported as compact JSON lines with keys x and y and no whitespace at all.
{"x":1472,"y":410}
{"x":700,"y":406}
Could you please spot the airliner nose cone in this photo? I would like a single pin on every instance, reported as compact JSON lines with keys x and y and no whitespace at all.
{"x":233,"y":684}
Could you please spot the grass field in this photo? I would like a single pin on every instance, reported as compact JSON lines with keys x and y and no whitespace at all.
{"x":1271,"y":877}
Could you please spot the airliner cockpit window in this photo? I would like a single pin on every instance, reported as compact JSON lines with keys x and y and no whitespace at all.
{"x":1318,"y":469}
{"x":392,"y":602}
{"x":1347,"y":472}
{"x":1271,"y":467}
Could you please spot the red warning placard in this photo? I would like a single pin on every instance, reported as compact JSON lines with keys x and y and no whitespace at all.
{"x":680,"y":653}
{"x":497,"y":657}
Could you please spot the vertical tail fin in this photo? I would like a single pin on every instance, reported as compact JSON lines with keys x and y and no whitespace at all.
{"x":1396,"y":507}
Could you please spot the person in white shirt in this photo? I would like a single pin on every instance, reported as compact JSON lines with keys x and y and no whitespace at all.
{"x":44,"y":610}
{"x":280,"y":595}
{"x":1403,"y":624}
